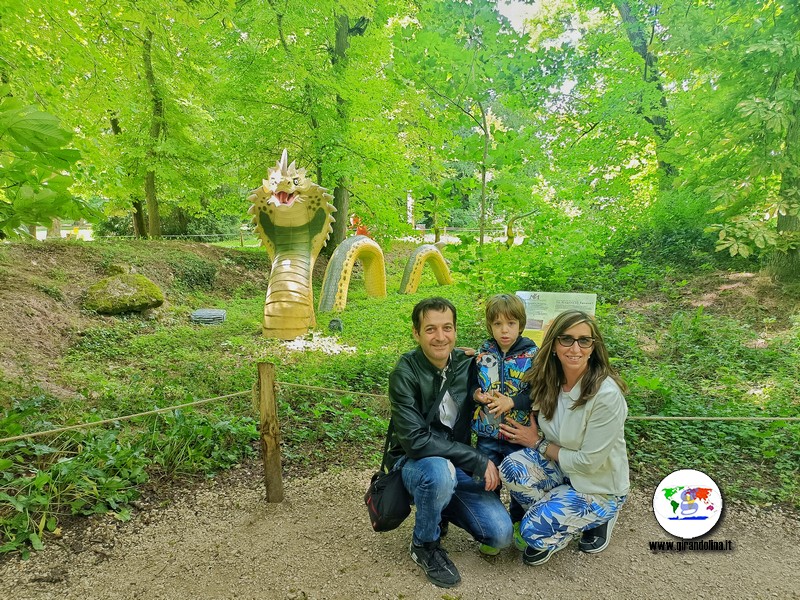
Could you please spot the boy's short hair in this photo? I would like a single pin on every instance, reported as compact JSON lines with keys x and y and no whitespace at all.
{"x":508,"y":305}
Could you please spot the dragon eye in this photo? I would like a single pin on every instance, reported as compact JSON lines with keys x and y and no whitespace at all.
{"x":296,"y":181}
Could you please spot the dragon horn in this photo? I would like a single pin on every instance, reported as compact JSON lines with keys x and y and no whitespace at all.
{"x":284,"y":162}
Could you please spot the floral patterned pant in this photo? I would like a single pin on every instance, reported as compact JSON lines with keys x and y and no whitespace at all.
{"x":554,"y":510}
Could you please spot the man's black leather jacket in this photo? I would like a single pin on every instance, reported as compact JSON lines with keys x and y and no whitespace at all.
{"x":413,"y":389}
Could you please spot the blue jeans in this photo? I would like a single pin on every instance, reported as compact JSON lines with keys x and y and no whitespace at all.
{"x":442,"y":491}
{"x":497,"y":450}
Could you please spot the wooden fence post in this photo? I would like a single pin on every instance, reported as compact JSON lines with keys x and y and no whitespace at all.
{"x":270,"y":432}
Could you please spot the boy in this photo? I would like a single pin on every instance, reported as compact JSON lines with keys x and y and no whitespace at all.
{"x":495,"y":382}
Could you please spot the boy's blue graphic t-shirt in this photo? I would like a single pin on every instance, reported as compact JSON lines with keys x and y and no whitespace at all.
{"x":503,"y":372}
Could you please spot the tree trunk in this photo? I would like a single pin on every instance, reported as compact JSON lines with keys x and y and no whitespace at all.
{"x":655,"y":115}
{"x":341,"y":195}
{"x":341,"y":200}
{"x":437,"y":231}
{"x":54,"y":231}
{"x":139,"y":229}
{"x":156,"y":130}
{"x":485,"y":159}
{"x":182,"y":221}
{"x":786,"y":265}
{"x":319,"y":168}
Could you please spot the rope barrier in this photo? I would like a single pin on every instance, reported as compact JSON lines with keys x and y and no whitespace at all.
{"x":630,"y":418}
{"x":660,"y":418}
{"x":343,"y":392}
{"x":323,"y":389}
{"x":173,"y":236}
{"x":123,"y":418}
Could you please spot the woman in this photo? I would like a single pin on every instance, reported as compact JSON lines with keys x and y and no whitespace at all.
{"x":572,"y":475}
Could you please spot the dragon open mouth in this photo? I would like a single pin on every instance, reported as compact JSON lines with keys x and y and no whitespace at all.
{"x":284,"y":197}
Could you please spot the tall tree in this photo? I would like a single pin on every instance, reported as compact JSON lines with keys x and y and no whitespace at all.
{"x":587,"y":97}
{"x":110,"y":58}
{"x":155,"y":133}
{"x":466,"y":57}
{"x":341,"y":192}
{"x":787,"y":262}
{"x":322,"y":93}
{"x":738,"y":108}
{"x":641,"y":35}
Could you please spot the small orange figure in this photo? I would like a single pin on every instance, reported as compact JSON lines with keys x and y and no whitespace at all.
{"x":361,"y":229}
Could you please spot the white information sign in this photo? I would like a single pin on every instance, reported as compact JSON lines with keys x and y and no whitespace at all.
{"x":542,"y":307}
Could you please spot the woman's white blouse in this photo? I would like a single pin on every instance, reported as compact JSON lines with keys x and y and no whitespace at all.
{"x":593,"y":453}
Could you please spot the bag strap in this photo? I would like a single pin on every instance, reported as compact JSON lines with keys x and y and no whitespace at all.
{"x":390,"y":430}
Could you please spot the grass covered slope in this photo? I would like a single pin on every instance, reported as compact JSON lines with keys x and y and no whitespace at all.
{"x":689,"y":345}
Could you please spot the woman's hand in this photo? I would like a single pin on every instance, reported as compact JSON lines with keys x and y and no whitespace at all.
{"x":524,"y":435}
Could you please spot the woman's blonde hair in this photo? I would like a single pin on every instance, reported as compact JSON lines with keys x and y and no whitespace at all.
{"x":546,"y":376}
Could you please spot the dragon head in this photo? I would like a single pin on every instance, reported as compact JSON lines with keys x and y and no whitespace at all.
{"x":286,"y":183}
{"x":288,"y":202}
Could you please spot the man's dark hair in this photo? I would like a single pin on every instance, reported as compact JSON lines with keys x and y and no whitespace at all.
{"x":436,"y":303}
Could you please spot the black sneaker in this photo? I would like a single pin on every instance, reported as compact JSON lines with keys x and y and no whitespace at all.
{"x":438,"y":567}
{"x":597,"y":538}
{"x":532,"y":556}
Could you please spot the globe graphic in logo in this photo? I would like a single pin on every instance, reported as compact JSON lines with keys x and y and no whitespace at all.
{"x":687,"y":503}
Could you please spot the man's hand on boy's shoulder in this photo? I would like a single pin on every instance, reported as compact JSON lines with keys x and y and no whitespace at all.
{"x":467,"y":351}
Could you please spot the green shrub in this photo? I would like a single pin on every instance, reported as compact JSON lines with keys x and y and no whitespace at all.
{"x":74,"y":474}
{"x":50,"y":290}
{"x":188,"y":442}
{"x":98,"y":471}
{"x":672,"y":231}
{"x":193,"y":273}
{"x":113,"y":226}
{"x":207,"y":227}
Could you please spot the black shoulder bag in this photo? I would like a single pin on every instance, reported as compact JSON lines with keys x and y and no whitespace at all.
{"x":388,"y":502}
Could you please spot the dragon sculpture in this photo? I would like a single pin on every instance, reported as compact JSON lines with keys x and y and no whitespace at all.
{"x":293,"y":218}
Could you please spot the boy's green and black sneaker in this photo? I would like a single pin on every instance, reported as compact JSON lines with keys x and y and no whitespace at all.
{"x":519,"y":541}
{"x":488,"y":550}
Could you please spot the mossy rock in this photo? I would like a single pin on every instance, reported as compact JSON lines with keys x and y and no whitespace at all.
{"x":128,"y":292}
{"x":117,"y":269}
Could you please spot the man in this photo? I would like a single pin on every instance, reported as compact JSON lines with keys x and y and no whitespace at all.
{"x":449,"y":480}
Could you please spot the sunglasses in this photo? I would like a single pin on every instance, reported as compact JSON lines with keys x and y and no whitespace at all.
{"x":568,"y":340}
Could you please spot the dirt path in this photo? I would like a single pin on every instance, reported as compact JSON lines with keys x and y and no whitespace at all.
{"x":222,"y":540}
